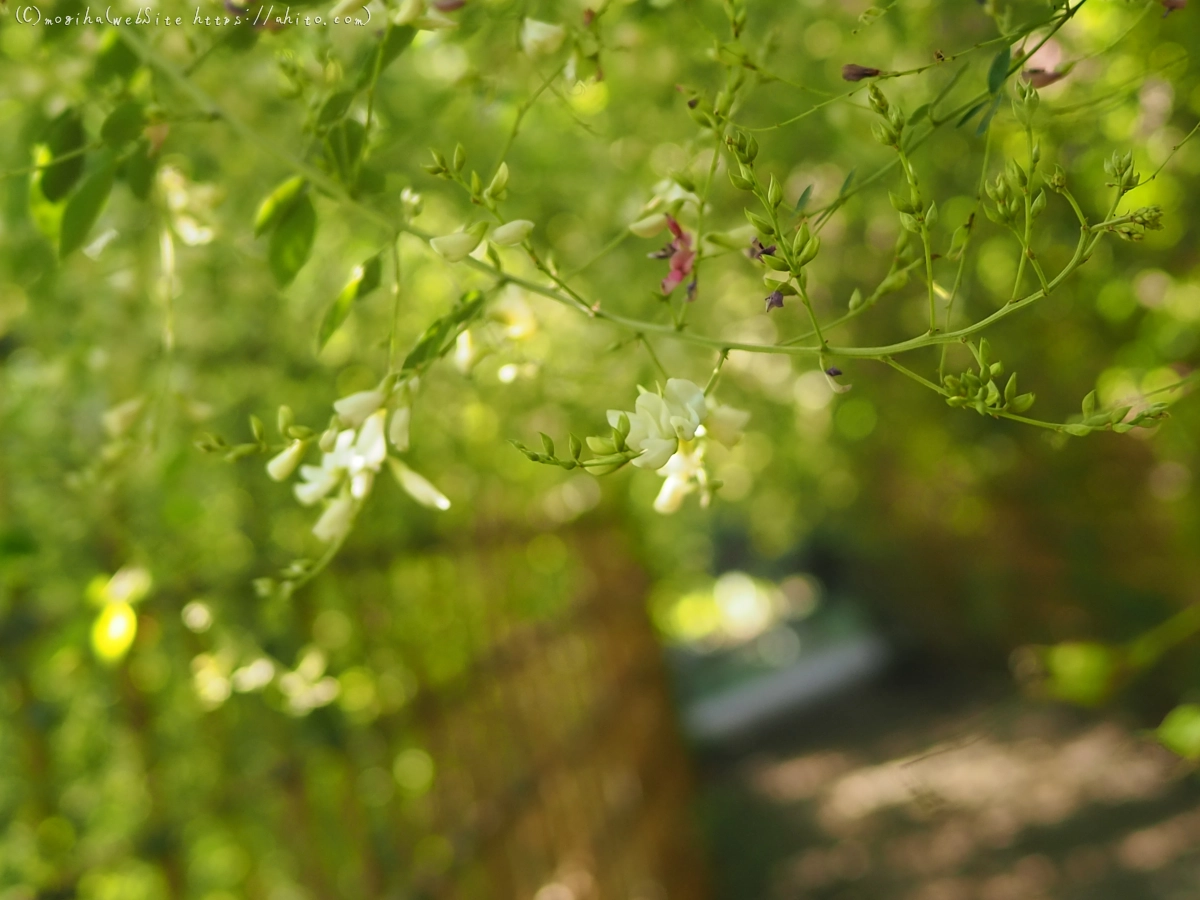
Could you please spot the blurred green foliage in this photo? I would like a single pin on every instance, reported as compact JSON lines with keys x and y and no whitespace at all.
{"x":138,"y":312}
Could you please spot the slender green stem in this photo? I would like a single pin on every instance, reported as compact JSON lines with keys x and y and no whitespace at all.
{"x":395,"y":328}
{"x":715,"y":377}
{"x":522,"y":110}
{"x":812,"y":315}
{"x":653,"y":356}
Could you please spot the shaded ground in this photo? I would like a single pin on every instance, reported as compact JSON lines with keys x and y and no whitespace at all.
{"x":920,"y":789}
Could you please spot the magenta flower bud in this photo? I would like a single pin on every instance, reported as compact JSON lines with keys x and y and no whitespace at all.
{"x":852,"y":72}
{"x":758,"y":251}
{"x":1040,"y":78}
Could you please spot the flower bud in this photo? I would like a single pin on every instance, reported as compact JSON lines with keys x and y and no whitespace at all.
{"x":499,"y":181}
{"x":774,"y":192}
{"x":852,"y":72}
{"x":456,"y":247}
{"x":1039,"y":204}
{"x":354,"y":408}
{"x":512,"y":233}
{"x":284,"y":464}
{"x":398,"y":428}
{"x":417,"y":486}
{"x":883,"y":134}
{"x":879,"y":102}
{"x":809,"y":253}
{"x":336,"y":520}
{"x":763,"y":226}
{"x":740,"y":182}
{"x":408,"y":12}
{"x":649,"y":226}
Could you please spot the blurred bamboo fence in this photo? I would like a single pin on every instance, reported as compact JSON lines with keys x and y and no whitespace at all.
{"x":502,"y":729}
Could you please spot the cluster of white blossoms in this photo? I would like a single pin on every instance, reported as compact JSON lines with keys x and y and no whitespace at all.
{"x":354,"y":449}
{"x":666,"y":429}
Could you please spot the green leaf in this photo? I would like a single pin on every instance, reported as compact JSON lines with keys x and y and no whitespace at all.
{"x":115,"y":59}
{"x":334,"y":108}
{"x":139,"y":168}
{"x":998,"y":72}
{"x":969,"y":114}
{"x":1180,"y":731}
{"x":987,"y":117}
{"x":123,"y":124}
{"x":918,"y":114}
{"x":363,"y":280}
{"x":278,"y":204}
{"x":84,"y":208}
{"x":441,"y":335}
{"x":1089,"y":403}
{"x":47,"y":216}
{"x":292,"y":240}
{"x":343,"y":146}
{"x":846,"y":184}
{"x":804,"y":198}
{"x":65,"y":135}
{"x":394,"y":42}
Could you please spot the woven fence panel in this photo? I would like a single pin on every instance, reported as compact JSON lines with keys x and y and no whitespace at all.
{"x":501,"y":729}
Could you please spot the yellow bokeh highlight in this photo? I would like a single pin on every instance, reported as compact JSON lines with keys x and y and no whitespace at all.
{"x":589,"y":99}
{"x":113,"y":631}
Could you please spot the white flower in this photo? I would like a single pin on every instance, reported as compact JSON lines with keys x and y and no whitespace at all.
{"x":682,"y":473}
{"x":512,"y":233}
{"x":434,"y":21}
{"x":315,"y":483}
{"x":409,"y":11}
{"x":650,"y":431}
{"x":725,"y":424}
{"x":284,"y":464}
{"x":336,"y":520}
{"x":417,"y":486}
{"x":398,"y":429}
{"x":455,"y":247}
{"x":686,"y":404}
{"x":370,"y":449}
{"x":649,"y":226}
{"x":355,"y":408}
{"x":541,"y":38}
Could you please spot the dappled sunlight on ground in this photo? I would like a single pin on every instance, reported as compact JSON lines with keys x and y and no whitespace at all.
{"x":925,"y":792}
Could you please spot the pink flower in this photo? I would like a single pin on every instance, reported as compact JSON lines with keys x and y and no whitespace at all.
{"x":853,"y":72}
{"x":681,"y":255}
{"x":1041,"y":78}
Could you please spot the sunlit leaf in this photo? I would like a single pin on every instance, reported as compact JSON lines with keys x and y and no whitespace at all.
{"x":292,"y":241}
{"x":84,"y":208}
{"x":363,"y":280}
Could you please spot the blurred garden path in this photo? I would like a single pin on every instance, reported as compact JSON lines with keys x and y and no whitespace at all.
{"x":928,"y":788}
